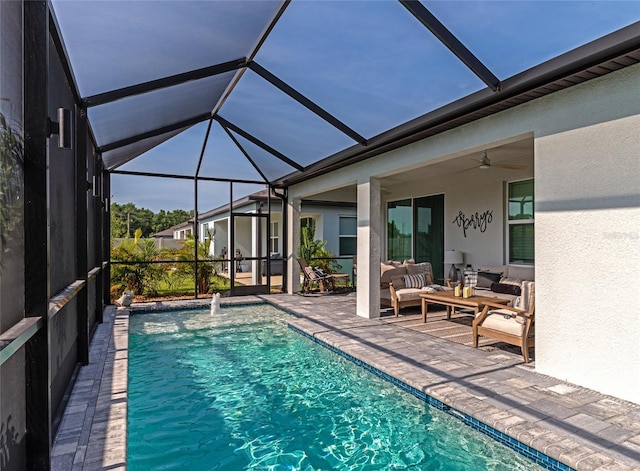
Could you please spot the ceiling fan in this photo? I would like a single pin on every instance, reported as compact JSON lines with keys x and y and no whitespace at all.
{"x":485,"y":164}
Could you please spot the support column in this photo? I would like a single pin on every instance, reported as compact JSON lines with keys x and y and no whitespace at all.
{"x":369,"y":230}
{"x":255,"y":250}
{"x":293,"y":245}
{"x":82,"y":265}
{"x":39,"y":433}
{"x":104,"y":214}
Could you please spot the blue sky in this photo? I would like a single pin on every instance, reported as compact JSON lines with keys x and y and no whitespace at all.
{"x":369,"y":63}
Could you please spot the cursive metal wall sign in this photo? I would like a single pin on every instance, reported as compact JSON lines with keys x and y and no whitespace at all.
{"x":475,"y":221}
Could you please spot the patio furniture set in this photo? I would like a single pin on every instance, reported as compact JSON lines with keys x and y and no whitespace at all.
{"x":501,"y":298}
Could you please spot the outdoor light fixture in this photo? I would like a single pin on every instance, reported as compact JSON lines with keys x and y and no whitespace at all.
{"x":62,"y":128}
{"x":96,"y":186}
{"x":453,"y":257}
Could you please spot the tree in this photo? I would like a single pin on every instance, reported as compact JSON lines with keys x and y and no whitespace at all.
{"x":166,"y":219}
{"x":127,"y":218}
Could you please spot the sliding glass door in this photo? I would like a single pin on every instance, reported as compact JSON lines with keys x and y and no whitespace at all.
{"x":415,"y":229}
{"x":428,"y":233}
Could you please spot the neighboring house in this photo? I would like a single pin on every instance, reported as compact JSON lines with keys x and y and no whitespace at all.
{"x":183,"y":230}
{"x":567,"y":200}
{"x":166,"y":234}
{"x":334,"y":222}
{"x":174,"y":237}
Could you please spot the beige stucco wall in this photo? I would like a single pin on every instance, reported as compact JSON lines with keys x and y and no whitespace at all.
{"x":587,"y":171}
{"x":588,"y":254}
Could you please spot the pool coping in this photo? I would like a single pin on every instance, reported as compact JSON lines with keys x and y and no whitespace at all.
{"x":532,"y":454}
{"x":97,"y":406}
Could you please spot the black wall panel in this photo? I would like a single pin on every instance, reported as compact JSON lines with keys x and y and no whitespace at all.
{"x":63,"y":328}
{"x":63,"y":335}
{"x":93,"y":305}
{"x":62,"y":200}
{"x":13,"y":421}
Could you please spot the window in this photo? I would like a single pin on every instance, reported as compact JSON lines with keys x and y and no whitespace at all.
{"x":348,"y":235}
{"x":207,"y":232}
{"x":521,"y":222}
{"x":399,"y":230}
{"x":274,"y":242}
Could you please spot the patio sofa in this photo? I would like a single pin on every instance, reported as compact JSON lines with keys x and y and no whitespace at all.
{"x":501,"y":281}
{"x":387,"y":270}
{"x":393,"y":290}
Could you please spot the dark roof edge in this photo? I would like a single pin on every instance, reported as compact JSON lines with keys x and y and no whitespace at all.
{"x":262,"y":196}
{"x":336,"y":204}
{"x":606,"y":48}
{"x":257,"y":196}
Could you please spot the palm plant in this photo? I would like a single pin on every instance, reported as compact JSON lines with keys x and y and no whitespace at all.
{"x":206,"y":268}
{"x":315,"y":252}
{"x":138,"y":274}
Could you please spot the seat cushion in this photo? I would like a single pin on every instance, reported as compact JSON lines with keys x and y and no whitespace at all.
{"x":408,"y":294}
{"x":505,"y":321}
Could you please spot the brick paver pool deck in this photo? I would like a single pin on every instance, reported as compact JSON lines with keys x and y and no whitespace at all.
{"x":578,"y":427}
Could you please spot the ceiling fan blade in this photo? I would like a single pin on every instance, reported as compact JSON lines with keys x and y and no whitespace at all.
{"x":510,"y":167}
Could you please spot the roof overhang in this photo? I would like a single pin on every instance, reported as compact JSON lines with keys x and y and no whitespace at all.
{"x":598,"y":58}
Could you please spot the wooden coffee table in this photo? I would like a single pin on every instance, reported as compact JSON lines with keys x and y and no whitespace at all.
{"x":446,"y":298}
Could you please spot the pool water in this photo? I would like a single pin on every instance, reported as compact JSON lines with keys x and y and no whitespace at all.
{"x":240,"y":390}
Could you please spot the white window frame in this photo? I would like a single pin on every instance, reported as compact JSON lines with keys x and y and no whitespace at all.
{"x":516,"y":222}
{"x":274,"y":237}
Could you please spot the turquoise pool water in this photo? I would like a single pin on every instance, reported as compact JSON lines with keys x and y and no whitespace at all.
{"x":239,"y":390}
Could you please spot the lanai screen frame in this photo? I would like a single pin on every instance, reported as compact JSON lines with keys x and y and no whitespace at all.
{"x":597,"y":58}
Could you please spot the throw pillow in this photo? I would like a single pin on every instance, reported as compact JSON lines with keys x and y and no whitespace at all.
{"x":510,"y":281}
{"x":506,"y":288}
{"x":398,"y":282}
{"x":428,"y":278}
{"x":389,"y":270}
{"x":414,"y":281}
{"x":320,"y":272}
{"x":432,"y":288}
{"x":485,"y":278}
{"x":423,"y":268}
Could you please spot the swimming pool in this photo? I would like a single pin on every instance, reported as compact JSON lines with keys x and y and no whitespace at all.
{"x":239,"y":390}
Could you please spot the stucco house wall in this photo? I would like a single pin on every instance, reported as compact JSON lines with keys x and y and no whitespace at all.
{"x":588,"y":238}
{"x":587,"y":182}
